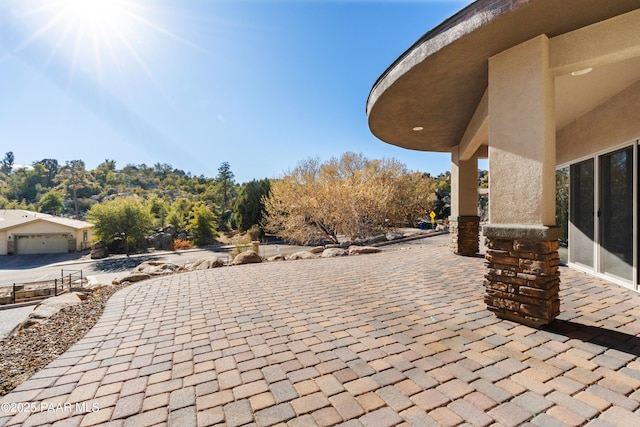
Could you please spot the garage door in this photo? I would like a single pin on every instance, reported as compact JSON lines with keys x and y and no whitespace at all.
{"x":42,"y":244}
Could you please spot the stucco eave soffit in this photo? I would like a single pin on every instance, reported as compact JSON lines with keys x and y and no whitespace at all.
{"x":425,"y":50}
{"x":615,"y":39}
{"x":477,"y":132}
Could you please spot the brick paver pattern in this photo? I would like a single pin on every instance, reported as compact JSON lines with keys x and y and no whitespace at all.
{"x":397,"y":338}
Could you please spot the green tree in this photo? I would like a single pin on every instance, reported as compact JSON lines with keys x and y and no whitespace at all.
{"x":225,"y":182}
{"x":28,"y":184}
{"x":202,"y":224}
{"x":127,"y":218}
{"x":159,"y":209}
{"x":51,"y":202}
{"x":442,"y":206}
{"x":7,"y":163}
{"x":74,"y":177}
{"x":249,"y":208}
{"x":15,"y":204}
{"x":483,"y":179}
{"x":104,"y":172}
{"x":180,"y":213}
{"x":162,"y":169}
{"x":51,"y":166}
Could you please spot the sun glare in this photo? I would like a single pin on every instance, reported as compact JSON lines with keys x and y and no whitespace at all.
{"x":93,"y":11}
{"x":103,"y":19}
{"x":108,"y":41}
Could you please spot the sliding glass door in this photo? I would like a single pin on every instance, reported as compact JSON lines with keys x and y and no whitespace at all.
{"x":581,"y":224}
{"x":603,"y":215}
{"x":616,"y":214}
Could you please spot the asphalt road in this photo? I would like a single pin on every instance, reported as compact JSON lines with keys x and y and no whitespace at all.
{"x":32,"y":268}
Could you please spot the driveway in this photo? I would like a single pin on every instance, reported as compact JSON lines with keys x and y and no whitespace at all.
{"x":396,"y":338}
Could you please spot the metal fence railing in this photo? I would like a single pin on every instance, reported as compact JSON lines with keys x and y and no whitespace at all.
{"x":36,"y":291}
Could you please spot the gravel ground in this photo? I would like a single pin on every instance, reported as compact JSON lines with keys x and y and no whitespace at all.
{"x":33,"y":348}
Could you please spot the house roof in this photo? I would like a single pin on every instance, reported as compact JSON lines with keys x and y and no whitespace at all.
{"x":10,"y":218}
{"x":438,"y":83}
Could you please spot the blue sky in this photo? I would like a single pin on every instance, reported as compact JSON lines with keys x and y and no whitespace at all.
{"x":262,"y":84}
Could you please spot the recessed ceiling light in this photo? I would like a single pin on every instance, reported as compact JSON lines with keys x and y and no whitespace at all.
{"x":582,"y":72}
{"x":418,"y":128}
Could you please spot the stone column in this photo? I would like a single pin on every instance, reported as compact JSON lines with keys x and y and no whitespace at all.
{"x":465,"y":234}
{"x":522,"y":278}
{"x":464,"y":222}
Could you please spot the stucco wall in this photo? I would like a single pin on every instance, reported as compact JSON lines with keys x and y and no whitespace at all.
{"x":609,"y":125}
{"x":522,"y":135}
{"x":464,"y":191}
{"x":40,"y":227}
{"x":79,"y":235}
{"x":45,"y":227}
{"x":3,"y":242}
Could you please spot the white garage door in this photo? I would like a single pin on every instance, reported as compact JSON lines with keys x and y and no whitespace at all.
{"x":42,"y":244}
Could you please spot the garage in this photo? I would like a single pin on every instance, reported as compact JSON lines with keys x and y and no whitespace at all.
{"x":42,"y":243}
{"x":26,"y":232}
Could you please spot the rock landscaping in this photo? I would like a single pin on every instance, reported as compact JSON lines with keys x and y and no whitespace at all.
{"x":40,"y":340}
{"x":246,"y":257}
{"x":206,"y":263}
{"x":99,"y":250}
{"x":301,"y":255}
{"x":334,"y":252}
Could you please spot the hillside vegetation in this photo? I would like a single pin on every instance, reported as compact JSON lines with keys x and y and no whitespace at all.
{"x":350,"y":195}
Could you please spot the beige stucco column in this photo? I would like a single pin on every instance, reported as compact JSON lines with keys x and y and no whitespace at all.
{"x":522,"y":238}
{"x":464,"y":223}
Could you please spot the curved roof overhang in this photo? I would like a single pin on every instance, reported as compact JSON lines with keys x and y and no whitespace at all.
{"x":439,"y":82}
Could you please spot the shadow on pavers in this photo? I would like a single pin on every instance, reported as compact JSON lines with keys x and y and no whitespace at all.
{"x":608,"y":338}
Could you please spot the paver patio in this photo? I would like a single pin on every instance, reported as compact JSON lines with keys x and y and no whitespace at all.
{"x":396,"y":338}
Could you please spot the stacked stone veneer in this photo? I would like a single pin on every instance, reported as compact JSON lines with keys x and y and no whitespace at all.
{"x":523,"y":280}
{"x":465,"y":232}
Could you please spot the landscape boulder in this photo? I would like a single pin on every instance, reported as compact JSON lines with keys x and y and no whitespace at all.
{"x":46,"y":309}
{"x":206,"y":263}
{"x":156,"y":268}
{"x":246,"y":257}
{"x":302,"y":255}
{"x":334,"y":252}
{"x":133,"y":277}
{"x":51,"y":306}
{"x":360,"y":250}
{"x":161,"y":240}
{"x":317,"y":250}
{"x":376,"y":239}
{"x":394,"y":235}
{"x":170,"y":229}
{"x":331,"y":246}
{"x":99,"y":250}
{"x":277,"y":257}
